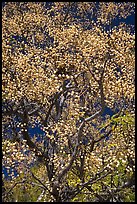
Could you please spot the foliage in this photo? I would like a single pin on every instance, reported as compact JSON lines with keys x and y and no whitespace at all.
{"x":63,"y":64}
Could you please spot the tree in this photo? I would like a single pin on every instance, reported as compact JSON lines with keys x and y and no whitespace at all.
{"x":64,"y":64}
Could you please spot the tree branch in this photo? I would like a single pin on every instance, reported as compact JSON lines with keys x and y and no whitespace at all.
{"x":45,"y":187}
{"x":104,"y":136}
{"x":94,"y":180}
{"x":20,"y":182}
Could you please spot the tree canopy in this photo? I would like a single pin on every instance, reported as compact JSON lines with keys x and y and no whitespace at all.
{"x":68,"y":102}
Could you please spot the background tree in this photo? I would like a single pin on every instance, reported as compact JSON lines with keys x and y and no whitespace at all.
{"x":68,"y":71}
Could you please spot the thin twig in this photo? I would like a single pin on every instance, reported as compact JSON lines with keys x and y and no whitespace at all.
{"x":20,"y":182}
{"x":45,"y":187}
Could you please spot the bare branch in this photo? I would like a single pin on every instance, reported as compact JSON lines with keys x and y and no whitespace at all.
{"x":104,"y":136}
{"x":93,"y":116}
{"x":94,"y":180}
{"x":40,"y":196}
{"x":67,"y":168}
{"x":20,"y":182}
{"x":41,"y":186}
{"x":45,"y":187}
